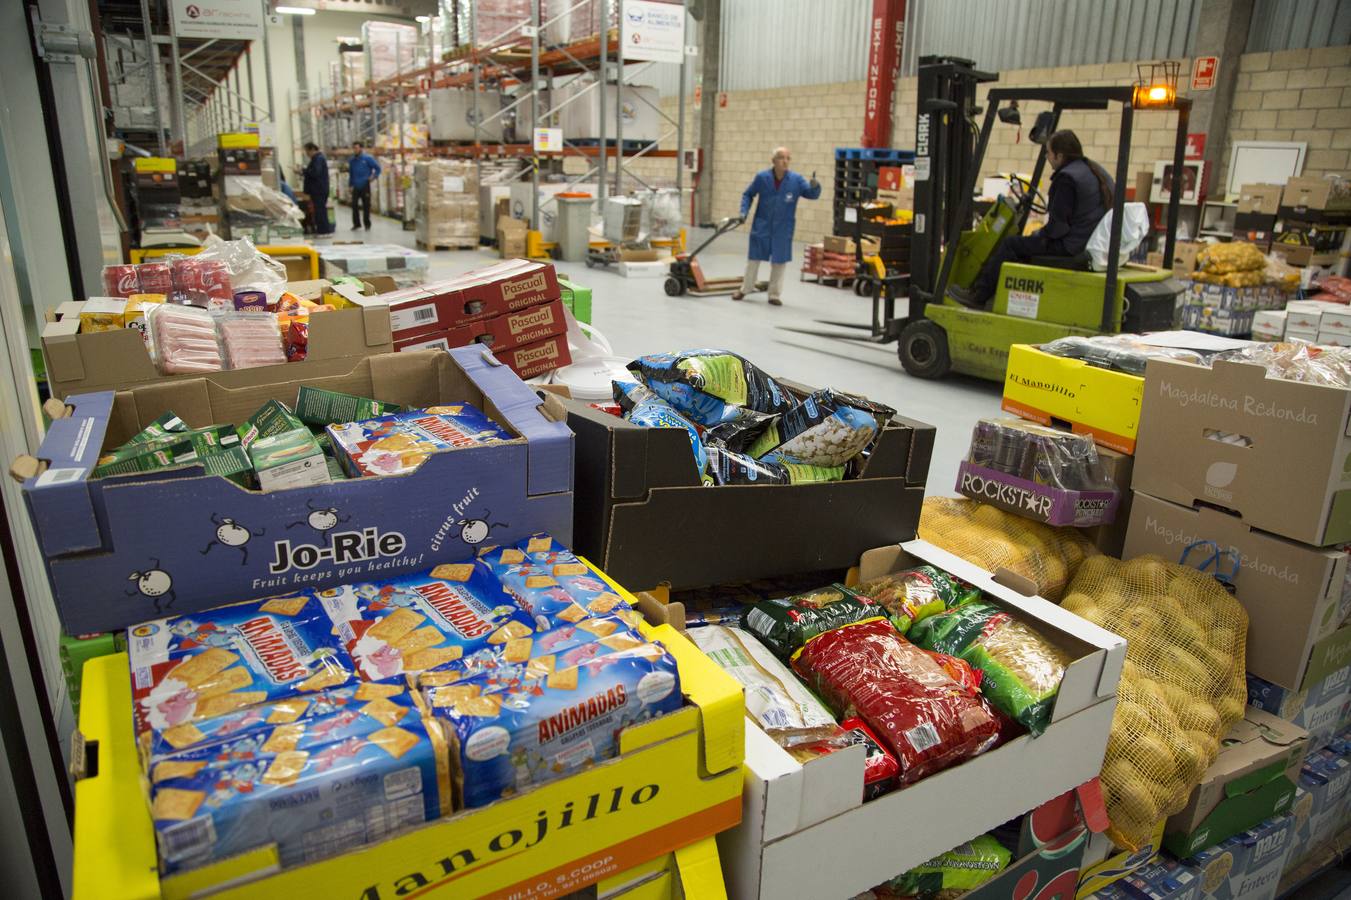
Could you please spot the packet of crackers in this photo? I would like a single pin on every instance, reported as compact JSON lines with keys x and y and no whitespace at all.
{"x":400,"y":442}
{"x":314,"y":718}
{"x":311,"y":803}
{"x":194,"y":667}
{"x":559,"y":647}
{"x":551,"y":583}
{"x":408,"y":624}
{"x":503,"y":742}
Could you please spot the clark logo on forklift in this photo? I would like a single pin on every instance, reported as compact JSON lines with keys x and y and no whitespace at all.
{"x":1031,"y":285}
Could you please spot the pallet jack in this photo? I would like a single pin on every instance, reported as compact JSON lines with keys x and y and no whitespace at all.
{"x":1036,"y":302}
{"x":687,"y":277}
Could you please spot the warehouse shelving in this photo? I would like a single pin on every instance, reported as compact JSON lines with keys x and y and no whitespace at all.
{"x":517,"y":57}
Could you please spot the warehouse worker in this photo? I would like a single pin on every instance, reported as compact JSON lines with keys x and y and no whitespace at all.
{"x":772,"y":230}
{"x":1080,"y":195}
{"x":362,"y":169}
{"x":314,"y":182}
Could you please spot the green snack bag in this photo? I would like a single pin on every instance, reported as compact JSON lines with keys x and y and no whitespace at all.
{"x":786,"y":624}
{"x":1021,"y":670}
{"x":915,"y":594}
{"x":315,"y":406}
{"x":959,"y":870}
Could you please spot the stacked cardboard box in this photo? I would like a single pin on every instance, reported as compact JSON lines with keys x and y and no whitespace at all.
{"x":445,"y":197}
{"x":513,"y":307}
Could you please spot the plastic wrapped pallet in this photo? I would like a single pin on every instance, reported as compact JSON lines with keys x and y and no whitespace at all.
{"x":390,"y":49}
{"x":445,"y":192}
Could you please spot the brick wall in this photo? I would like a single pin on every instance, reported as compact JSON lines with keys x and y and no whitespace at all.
{"x":1302,"y":95}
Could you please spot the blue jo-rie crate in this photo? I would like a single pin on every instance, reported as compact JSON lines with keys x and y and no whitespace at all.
{"x":124,"y":549}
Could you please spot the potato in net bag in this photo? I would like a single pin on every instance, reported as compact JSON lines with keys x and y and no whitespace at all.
{"x":992,"y":538}
{"x":1237,"y":256}
{"x":1182,"y":687}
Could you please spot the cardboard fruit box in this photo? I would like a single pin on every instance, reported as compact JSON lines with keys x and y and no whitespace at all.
{"x":676,"y":781}
{"x":805,"y":830}
{"x":641,"y":504}
{"x":123,"y":549}
{"x":112,"y":360}
{"x":1273,"y":451}
{"x":1292,"y":592}
{"x":1251,"y":780}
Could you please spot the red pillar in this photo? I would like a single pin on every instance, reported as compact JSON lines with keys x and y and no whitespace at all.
{"x":886,"y":33}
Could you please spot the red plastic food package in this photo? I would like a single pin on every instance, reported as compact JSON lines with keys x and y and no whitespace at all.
{"x":925,"y":717}
{"x":961,"y":671}
{"x":205,"y":281}
{"x":120,"y":281}
{"x":155,"y":278}
{"x":881,"y":771}
{"x":297,"y":340}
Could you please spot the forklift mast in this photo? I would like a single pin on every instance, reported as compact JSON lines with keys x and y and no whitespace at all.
{"x":945,"y":139}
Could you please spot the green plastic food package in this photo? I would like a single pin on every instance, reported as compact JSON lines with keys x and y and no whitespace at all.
{"x":1021,"y":669}
{"x":957,"y":871}
{"x":914,"y":594}
{"x":786,"y":624}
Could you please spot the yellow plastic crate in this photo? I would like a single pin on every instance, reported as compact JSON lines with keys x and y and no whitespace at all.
{"x":1090,"y":400}
{"x":676,"y":782}
{"x":236,"y":140}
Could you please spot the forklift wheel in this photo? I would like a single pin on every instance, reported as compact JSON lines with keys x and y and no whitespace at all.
{"x":674,"y":286}
{"x":861,"y":288}
{"x":923,"y":349}
{"x":590,"y":261}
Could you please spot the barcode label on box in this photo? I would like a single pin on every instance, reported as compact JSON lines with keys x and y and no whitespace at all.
{"x":412,"y":316}
{"x":187,"y":839}
{"x":58,"y":476}
{"x":922,"y":736}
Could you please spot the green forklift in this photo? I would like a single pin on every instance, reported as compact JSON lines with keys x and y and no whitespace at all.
{"x":1038,"y":301}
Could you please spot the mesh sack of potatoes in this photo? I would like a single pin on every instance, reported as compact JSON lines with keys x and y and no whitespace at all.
{"x":992,"y":538}
{"x":1236,"y":256}
{"x":1182,"y":687}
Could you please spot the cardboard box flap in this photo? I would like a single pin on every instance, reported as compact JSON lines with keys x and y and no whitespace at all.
{"x":334,"y":338}
{"x":59,"y":498}
{"x":550,"y":454}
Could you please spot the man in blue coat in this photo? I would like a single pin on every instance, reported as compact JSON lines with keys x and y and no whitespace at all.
{"x":314,"y":182}
{"x":362,"y":169}
{"x":775,"y":215}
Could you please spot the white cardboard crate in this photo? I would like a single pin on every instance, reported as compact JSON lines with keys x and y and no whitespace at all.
{"x":805,"y":831}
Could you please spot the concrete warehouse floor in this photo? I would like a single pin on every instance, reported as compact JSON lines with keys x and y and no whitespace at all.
{"x":637,"y":317}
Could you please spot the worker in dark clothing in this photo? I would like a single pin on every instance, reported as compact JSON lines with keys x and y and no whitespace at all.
{"x":314,"y":183}
{"x":1080,"y":195}
{"x":362,"y":169}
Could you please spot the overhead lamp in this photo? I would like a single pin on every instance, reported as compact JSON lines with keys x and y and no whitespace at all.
{"x":293,"y":10}
{"x":422,"y":18}
{"x":1156,"y":85}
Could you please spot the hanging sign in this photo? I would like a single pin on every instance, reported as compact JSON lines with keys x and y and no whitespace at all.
{"x":238,"y":20}
{"x":654,"y":31}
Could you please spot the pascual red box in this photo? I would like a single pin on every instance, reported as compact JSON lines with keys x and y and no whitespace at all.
{"x":527,"y":326}
{"x":536,"y":359}
{"x":506,"y":287}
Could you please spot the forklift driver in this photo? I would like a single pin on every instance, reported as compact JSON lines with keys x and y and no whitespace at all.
{"x":1080,"y":195}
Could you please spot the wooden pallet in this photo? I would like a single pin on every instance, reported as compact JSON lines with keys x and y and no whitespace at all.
{"x":839,"y":281}
{"x":465,"y":244}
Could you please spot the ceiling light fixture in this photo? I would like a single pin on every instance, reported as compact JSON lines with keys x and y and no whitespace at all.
{"x":294,"y":11}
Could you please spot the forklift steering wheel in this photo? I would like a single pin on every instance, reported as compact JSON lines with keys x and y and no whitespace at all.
{"x":1018,"y":188}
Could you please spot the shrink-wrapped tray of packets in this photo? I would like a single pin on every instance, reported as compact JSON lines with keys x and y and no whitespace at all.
{"x":322,"y":721}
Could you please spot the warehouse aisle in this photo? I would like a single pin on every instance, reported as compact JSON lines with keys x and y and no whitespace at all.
{"x":637,"y":317}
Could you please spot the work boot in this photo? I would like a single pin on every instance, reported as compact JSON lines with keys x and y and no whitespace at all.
{"x":775,"y":301}
{"x":737,"y":295}
{"x":965,"y":296}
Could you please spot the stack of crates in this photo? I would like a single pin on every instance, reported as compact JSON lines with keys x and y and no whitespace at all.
{"x":856,"y":177}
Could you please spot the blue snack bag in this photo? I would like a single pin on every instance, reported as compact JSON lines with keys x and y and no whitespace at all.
{"x":265,"y":716}
{"x":643,"y":407}
{"x":194,"y":667}
{"x":312,"y":804}
{"x":503,"y":742}
{"x":416,"y":622}
{"x":711,"y":386}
